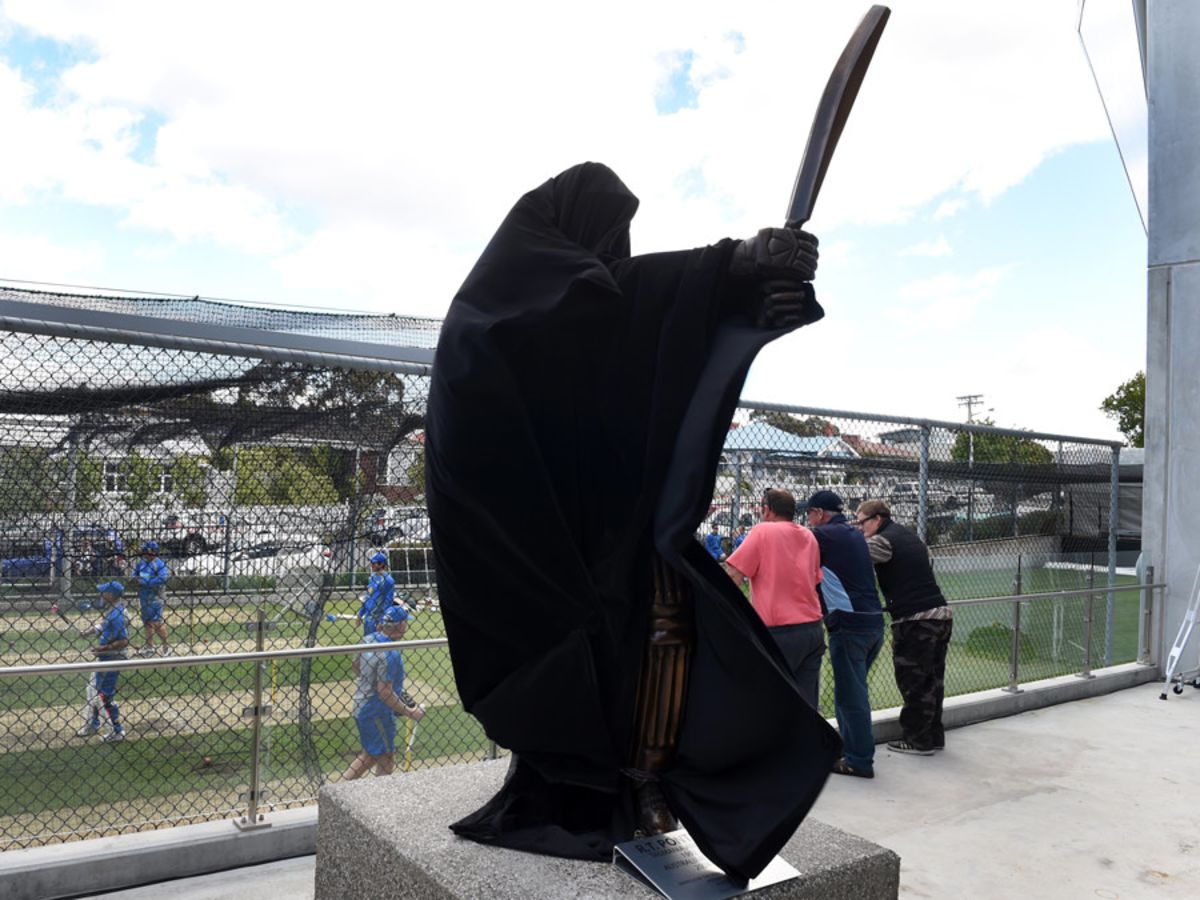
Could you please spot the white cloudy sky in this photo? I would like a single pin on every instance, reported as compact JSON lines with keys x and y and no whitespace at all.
{"x":977,"y":229}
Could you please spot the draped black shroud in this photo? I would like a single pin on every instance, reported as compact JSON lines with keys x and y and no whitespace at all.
{"x":579,"y":403}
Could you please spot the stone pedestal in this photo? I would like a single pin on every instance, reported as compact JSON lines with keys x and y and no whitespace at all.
{"x":388,"y":838}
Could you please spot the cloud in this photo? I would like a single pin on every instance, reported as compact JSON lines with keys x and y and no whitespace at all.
{"x":948,"y":208}
{"x":837,"y":253}
{"x":36,"y":257}
{"x":940,"y":247}
{"x":944,"y":302}
{"x":361,"y":157}
{"x":1034,"y":365}
{"x":399,"y":114}
{"x":84,"y":153}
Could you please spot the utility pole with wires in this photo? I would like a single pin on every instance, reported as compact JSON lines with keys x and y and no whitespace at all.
{"x":970,"y":401}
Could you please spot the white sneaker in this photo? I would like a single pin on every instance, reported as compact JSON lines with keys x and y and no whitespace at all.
{"x":165,"y":651}
{"x":146,"y":651}
{"x":87,"y":730}
{"x":113,"y":736}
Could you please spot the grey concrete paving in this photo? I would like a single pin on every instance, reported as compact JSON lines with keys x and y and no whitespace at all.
{"x":1098,"y":798}
{"x":288,"y":879}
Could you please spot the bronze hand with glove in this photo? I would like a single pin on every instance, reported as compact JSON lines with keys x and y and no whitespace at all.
{"x":780,"y":263}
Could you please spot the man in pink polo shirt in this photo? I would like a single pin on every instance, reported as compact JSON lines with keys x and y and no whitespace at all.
{"x":783,"y":563}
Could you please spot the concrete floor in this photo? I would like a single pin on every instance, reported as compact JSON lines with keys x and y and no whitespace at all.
{"x":1093,"y":799}
{"x":1096,"y":798}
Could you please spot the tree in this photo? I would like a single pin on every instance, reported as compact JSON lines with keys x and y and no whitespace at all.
{"x":415,"y":474}
{"x":143,"y":480}
{"x":26,"y":476}
{"x":810,"y":426}
{"x":1127,"y":404}
{"x":999,"y":448}
{"x":280,"y":476}
{"x":339,"y":466}
{"x":89,"y":479}
{"x":188,"y":481}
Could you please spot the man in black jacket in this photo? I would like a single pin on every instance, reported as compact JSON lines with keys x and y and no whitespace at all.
{"x":921,"y":626}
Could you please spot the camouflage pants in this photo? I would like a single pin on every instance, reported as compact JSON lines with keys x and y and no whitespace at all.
{"x":919,"y":655}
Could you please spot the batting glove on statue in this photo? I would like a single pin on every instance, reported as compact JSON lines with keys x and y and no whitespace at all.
{"x":776,"y":253}
{"x":785,"y":304}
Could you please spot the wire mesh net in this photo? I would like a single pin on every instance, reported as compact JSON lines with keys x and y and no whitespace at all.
{"x":267,"y":487}
{"x":400,"y":331}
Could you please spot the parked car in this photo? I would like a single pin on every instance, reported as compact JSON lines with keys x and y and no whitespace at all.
{"x":906,"y":494}
{"x":388,"y":524}
{"x":86,"y":550}
{"x":25,"y":558}
{"x":267,"y":558}
{"x":183,"y":534}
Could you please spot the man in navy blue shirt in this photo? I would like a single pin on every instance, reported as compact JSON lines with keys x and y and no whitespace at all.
{"x":854,"y":620}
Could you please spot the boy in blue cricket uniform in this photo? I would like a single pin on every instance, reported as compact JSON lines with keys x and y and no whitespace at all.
{"x":379,"y":697}
{"x":739,"y":537}
{"x":113,"y":640}
{"x":380,"y":595}
{"x":151,"y":574}
{"x":712,"y":543}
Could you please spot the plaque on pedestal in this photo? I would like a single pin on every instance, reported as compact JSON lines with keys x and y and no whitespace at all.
{"x":673,"y":865}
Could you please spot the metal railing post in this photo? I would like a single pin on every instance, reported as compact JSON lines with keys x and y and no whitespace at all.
{"x":735,"y":512}
{"x":1014,"y":660}
{"x":1146,"y":617}
{"x":1087,"y":623}
{"x":1114,"y":502}
{"x":253,"y":818}
{"x":923,"y":484}
{"x":65,"y":555}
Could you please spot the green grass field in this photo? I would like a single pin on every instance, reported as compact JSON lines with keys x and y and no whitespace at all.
{"x":35,"y":781}
{"x":53,"y":783}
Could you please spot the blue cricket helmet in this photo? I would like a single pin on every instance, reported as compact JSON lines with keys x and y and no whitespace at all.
{"x":111,"y":587}
{"x":380,"y":558}
{"x":394,"y":614}
{"x":150,"y":547}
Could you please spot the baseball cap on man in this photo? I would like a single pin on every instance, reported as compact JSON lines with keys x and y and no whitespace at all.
{"x":380,"y":559}
{"x":827,"y":500}
{"x":394,"y":614}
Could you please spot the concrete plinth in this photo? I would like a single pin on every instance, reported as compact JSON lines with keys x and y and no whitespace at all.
{"x":389,"y":838}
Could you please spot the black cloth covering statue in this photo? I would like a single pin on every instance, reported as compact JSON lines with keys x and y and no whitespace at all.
{"x":579,"y":402}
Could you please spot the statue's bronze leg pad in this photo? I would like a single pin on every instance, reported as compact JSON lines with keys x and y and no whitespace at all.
{"x":661,"y":692}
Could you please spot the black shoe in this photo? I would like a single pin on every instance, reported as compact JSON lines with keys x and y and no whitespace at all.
{"x":906,"y":747}
{"x":841,"y":767}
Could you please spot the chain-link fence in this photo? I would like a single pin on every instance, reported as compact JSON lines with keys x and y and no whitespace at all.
{"x":269,"y":455}
{"x":954,"y":483}
{"x":208,"y":737}
{"x":204,"y":738}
